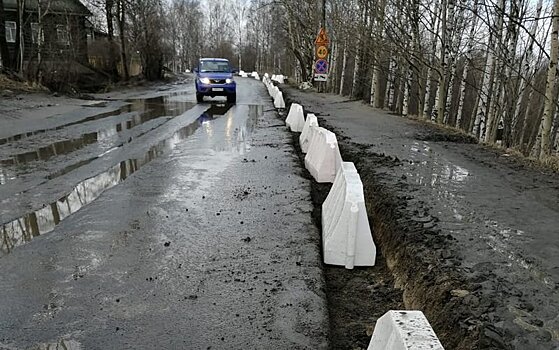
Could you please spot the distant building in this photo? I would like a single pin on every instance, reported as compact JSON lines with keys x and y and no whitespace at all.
{"x":61,"y":31}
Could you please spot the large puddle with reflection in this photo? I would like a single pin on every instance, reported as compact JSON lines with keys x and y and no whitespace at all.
{"x":23,"y":229}
{"x":136,"y":112}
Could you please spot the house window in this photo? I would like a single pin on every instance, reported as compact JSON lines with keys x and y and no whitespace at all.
{"x":35,"y":34}
{"x":11,"y":31}
{"x":62,"y":34}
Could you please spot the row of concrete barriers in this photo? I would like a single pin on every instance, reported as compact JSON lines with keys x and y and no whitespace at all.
{"x":346,"y":234}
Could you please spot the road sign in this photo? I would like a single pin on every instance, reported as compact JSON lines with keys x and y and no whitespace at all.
{"x":320,"y":77}
{"x":321,"y":66}
{"x":321,"y":52}
{"x":322,"y":38}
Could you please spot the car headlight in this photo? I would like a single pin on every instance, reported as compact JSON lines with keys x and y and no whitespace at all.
{"x":229,"y":81}
{"x":205,"y":80}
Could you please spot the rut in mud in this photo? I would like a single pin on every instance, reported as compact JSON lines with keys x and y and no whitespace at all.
{"x":418,"y":266}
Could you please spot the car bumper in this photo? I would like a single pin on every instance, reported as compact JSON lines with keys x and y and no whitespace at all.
{"x":216,"y":89}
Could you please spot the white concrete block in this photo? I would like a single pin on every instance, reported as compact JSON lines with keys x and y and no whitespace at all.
{"x":323,"y":157}
{"x":404,"y":330}
{"x":257,"y":77}
{"x":280,"y":79}
{"x":305,"y":137}
{"x":254,"y":74}
{"x":278,"y":101}
{"x":346,"y":235}
{"x":295,"y":118}
{"x":267,"y":75}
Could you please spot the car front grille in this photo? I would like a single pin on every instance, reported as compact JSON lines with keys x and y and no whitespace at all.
{"x":217,"y":81}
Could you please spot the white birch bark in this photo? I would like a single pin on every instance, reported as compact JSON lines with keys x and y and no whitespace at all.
{"x":373,"y":84}
{"x":555,"y":138}
{"x":355,"y":71}
{"x":407,"y":87}
{"x":488,"y":108}
{"x":376,"y":92}
{"x":333,"y":67}
{"x":344,"y":64}
{"x":390,"y":85}
{"x":496,"y":115}
{"x":439,"y":107}
{"x":488,"y":77}
{"x":468,"y":58}
{"x":528,"y":70}
{"x":549,"y":104}
{"x":435,"y":23}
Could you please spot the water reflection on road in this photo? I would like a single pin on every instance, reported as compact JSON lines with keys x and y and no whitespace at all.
{"x":137,"y":112}
{"x":231,"y":138}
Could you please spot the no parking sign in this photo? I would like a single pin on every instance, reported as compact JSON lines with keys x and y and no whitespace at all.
{"x":321,"y":53}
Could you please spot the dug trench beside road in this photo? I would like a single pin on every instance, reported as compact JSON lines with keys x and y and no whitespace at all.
{"x":468,"y":235}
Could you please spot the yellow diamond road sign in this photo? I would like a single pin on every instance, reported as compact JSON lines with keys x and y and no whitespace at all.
{"x":321,"y":52}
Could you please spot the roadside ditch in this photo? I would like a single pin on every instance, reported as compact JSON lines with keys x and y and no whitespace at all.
{"x":415,"y":267}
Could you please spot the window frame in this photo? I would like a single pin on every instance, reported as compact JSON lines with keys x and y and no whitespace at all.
{"x":35,"y":29}
{"x":9,"y":32}
{"x":62,"y":28}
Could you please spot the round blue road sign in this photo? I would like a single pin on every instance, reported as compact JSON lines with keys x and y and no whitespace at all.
{"x":321,"y":66}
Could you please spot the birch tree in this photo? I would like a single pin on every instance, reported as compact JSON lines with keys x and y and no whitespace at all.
{"x":549,"y":103}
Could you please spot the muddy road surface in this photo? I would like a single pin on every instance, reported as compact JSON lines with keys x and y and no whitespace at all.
{"x":143,"y":220}
{"x":469,"y":234}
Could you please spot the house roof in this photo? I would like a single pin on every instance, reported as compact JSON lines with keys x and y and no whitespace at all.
{"x":74,"y":7}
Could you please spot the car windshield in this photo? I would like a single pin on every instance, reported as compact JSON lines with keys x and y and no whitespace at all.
{"x":214,"y":66}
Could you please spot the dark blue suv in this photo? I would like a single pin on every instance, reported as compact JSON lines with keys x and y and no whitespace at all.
{"x":214,"y":77}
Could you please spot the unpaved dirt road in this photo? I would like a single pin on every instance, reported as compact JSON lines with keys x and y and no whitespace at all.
{"x":470,"y":234}
{"x":145,"y":221}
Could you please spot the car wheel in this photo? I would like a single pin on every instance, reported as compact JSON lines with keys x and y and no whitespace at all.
{"x":199,"y":97}
{"x":232,"y":98}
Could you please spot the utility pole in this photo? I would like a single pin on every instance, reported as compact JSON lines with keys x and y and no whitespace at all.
{"x":324,"y":13}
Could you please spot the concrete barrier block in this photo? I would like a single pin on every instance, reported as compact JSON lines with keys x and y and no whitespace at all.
{"x":279,"y":103}
{"x":323,"y":157}
{"x":295,"y":118}
{"x":346,"y":235}
{"x":305,"y":137}
{"x":254,"y":74}
{"x":404,"y":330}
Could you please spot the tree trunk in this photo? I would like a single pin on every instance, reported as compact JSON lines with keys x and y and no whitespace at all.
{"x":445,"y":33}
{"x":549,"y":103}
{"x":528,"y":71}
{"x":391,"y":82}
{"x":435,"y":24}
{"x":355,"y":74}
{"x":113,"y":71}
{"x":121,"y":17}
{"x":344,"y":64}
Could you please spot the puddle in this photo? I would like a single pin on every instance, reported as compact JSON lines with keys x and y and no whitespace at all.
{"x":52,"y":150}
{"x":141,"y":111}
{"x":237,"y":128}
